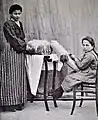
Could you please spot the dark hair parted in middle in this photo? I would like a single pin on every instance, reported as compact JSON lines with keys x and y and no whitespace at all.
{"x":14,"y":7}
{"x":90,"y":40}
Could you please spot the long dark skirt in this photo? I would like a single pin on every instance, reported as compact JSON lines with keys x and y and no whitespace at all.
{"x":12,"y":77}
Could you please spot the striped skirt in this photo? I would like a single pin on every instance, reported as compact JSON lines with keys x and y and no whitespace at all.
{"x":12,"y":77}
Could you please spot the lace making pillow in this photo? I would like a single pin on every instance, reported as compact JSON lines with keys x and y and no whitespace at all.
{"x":42,"y":47}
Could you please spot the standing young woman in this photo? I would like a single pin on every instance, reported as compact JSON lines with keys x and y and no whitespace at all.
{"x":87,"y":66}
{"x":13,"y":72}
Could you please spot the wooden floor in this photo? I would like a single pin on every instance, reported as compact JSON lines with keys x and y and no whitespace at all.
{"x":36,"y":111}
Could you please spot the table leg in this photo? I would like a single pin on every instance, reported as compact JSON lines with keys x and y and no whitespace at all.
{"x":53,"y":84}
{"x":45,"y":83}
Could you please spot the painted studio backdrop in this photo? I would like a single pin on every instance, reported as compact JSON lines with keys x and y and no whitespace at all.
{"x":66,"y":21}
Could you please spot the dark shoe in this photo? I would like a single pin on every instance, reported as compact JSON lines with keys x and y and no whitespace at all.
{"x":32,"y":98}
{"x":9,"y":108}
{"x":23,"y":104}
{"x":58,"y":93}
{"x":19,"y":107}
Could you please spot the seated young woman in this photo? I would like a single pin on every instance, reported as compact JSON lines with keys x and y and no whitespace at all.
{"x":87,"y":66}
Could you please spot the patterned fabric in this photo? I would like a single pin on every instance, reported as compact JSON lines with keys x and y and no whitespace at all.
{"x":12,"y":69}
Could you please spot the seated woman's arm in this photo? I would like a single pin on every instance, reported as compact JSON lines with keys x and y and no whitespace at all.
{"x":84,"y":62}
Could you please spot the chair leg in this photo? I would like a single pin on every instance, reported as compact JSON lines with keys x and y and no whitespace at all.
{"x":74,"y":99}
{"x":45,"y":83}
{"x":97,"y":98}
{"x":97,"y":105}
{"x":53,"y":84}
{"x":82,"y":94}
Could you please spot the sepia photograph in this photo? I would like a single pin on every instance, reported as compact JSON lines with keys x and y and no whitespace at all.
{"x":48,"y":59}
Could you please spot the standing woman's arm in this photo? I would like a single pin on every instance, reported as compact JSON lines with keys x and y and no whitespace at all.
{"x":1,"y":44}
{"x":17,"y":44}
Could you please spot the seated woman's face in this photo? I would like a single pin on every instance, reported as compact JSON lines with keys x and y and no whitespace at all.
{"x":86,"y":46}
{"x":16,"y":15}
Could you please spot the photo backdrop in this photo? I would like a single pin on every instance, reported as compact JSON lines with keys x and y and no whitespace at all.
{"x":66,"y":21}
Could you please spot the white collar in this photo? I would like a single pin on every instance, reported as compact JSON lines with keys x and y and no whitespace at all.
{"x":17,"y":22}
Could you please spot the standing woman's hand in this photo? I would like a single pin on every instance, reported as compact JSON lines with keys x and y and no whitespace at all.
{"x":30,"y":48}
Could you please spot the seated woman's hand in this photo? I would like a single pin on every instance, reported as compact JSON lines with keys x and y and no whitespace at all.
{"x":72,"y":57}
{"x":63,"y":58}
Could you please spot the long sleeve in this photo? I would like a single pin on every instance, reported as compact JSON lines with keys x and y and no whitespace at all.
{"x":2,"y":45}
{"x":84,"y":62}
{"x":16,"y":43}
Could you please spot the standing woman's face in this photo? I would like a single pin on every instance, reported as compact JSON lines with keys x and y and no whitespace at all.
{"x":86,"y":46}
{"x":16,"y":15}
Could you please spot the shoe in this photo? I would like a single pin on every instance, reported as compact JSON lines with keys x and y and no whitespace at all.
{"x":58,"y":93}
{"x":19,"y":107}
{"x":32,"y":98}
{"x":9,"y":108}
{"x":23,"y":104}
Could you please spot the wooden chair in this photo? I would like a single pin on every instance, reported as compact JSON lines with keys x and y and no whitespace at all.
{"x":80,"y":88}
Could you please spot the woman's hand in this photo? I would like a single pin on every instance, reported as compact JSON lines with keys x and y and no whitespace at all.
{"x":29,"y":45}
{"x":73,"y":57}
{"x":30,"y":48}
{"x":63,"y":58}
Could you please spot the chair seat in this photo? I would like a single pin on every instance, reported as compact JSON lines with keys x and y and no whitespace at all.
{"x":83,"y":87}
{"x":86,"y":91}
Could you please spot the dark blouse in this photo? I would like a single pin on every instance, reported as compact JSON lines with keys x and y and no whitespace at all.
{"x":15,"y":36}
